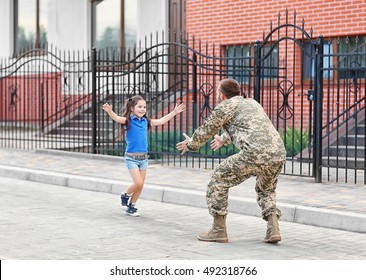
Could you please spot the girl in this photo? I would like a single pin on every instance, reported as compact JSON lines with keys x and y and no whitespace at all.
{"x":135,"y":124}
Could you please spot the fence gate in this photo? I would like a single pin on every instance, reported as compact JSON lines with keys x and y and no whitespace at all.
{"x":286,"y":84}
{"x":43,"y":97}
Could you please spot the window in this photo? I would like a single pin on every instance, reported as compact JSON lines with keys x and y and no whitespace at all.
{"x":308,"y":61}
{"x":114,"y":23}
{"x":238,"y":63}
{"x":30,"y":24}
{"x":270,"y":63}
{"x":351,"y":57}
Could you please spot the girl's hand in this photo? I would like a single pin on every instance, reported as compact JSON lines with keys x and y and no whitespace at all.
{"x":179,"y":108}
{"x":216,"y":143}
{"x":182,"y":146}
{"x":107,"y":107}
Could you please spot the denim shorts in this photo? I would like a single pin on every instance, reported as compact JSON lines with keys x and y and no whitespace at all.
{"x":131,"y":163}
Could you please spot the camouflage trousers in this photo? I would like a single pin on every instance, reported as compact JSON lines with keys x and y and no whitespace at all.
{"x":236,"y":169}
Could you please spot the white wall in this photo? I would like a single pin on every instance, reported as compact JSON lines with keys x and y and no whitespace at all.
{"x":68,"y":24}
{"x":152,"y":18}
{"x":6,"y":28}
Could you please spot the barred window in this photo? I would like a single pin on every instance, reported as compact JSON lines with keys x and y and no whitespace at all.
{"x":351,"y":57}
{"x":238,"y":61}
{"x":271,"y":62}
{"x":308,"y":61}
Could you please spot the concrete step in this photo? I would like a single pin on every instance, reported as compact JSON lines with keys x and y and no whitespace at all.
{"x":343,"y":162}
{"x":352,"y":140}
{"x":346,"y":151}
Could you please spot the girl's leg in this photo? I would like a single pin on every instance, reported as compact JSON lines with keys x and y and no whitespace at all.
{"x":138,"y":177}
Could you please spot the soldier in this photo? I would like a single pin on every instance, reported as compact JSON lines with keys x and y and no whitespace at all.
{"x":261,"y":154}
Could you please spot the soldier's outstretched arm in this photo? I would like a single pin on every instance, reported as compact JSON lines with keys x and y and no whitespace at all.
{"x":211,"y":126}
{"x":182,"y":146}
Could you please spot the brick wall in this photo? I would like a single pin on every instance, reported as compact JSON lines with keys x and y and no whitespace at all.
{"x":243,"y":21}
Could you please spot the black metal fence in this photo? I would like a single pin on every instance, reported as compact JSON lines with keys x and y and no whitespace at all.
{"x":43,"y":94}
{"x":344,"y":83}
{"x":165,"y":74}
{"x":312,"y":90}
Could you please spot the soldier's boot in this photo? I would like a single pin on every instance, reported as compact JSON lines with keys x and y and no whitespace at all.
{"x":273,"y":231}
{"x":218,"y":231}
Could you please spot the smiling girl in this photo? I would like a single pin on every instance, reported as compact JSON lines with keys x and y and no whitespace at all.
{"x":135,"y":124}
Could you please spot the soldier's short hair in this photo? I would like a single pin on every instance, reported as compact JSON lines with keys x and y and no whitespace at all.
{"x":229,"y":87}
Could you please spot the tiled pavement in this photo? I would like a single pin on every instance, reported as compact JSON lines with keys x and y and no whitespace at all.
{"x":41,"y":221}
{"x":301,"y":200}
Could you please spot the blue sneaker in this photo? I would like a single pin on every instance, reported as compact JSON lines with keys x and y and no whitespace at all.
{"x":132,"y":211}
{"x":124,"y":201}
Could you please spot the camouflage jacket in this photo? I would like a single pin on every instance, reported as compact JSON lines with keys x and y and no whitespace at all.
{"x":246,"y":125}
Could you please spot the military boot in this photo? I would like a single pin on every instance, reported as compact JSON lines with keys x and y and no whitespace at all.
{"x":218,"y":231}
{"x":273,"y":231}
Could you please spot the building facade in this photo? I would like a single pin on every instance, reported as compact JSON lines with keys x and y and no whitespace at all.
{"x":243,"y":21}
{"x":78,"y":24}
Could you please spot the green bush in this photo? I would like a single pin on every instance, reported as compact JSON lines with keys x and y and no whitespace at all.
{"x":295,"y":141}
{"x":163,"y":142}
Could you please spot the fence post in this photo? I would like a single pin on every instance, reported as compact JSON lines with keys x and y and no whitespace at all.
{"x":318,"y":112}
{"x":194,"y":97}
{"x":94,"y":100}
{"x":257,"y":71}
{"x":147,"y":78}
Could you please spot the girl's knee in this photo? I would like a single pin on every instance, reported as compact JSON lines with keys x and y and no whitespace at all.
{"x":139,"y":185}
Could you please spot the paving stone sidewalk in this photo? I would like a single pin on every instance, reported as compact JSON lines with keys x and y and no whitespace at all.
{"x":41,"y":221}
{"x":301,"y":200}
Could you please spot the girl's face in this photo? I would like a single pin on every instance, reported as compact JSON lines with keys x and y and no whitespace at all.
{"x":139,"y":110}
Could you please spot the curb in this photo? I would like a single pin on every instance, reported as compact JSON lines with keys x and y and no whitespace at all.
{"x":290,"y":213}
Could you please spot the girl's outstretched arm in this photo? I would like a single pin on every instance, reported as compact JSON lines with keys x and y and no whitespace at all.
{"x":177,"y":109}
{"x":108,"y":108}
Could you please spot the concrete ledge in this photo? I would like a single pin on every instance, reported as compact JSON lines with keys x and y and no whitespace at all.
{"x":47,"y":178}
{"x":330,"y":219}
{"x":151,"y":192}
{"x":290,"y":213}
{"x":185,"y":197}
{"x":246,"y":206}
{"x":14,"y":172}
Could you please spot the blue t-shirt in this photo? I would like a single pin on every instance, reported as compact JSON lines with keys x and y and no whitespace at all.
{"x":136,"y":135}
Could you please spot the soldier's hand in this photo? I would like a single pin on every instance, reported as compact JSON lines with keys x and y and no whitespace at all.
{"x":182,"y":146}
{"x":216,"y":143}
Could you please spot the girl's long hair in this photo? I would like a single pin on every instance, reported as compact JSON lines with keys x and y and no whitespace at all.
{"x":131,"y":102}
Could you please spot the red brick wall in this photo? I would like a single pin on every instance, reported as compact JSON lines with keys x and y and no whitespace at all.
{"x":243,"y":21}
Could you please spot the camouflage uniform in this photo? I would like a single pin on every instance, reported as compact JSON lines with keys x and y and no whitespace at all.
{"x":261,"y":153}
